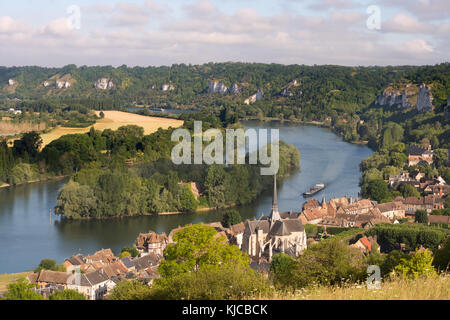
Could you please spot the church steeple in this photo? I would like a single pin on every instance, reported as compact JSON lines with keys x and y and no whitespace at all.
{"x":275,"y":215}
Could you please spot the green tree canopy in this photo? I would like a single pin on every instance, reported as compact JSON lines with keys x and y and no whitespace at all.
{"x":67,"y":295}
{"x":231,"y":218}
{"x":22,"y":289}
{"x":196,"y":247}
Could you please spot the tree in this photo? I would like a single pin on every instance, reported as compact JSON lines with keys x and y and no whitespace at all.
{"x":49,"y":264}
{"x":378,"y":190}
{"x":125,"y":254}
{"x":421,"y":216}
{"x":420,"y":264}
{"x":196,"y":247}
{"x":130,"y":290}
{"x":29,"y":145}
{"x":67,"y":295}
{"x":214,"y":282}
{"x":131,"y":251}
{"x":408,"y":190}
{"x":442,"y":257}
{"x":231,"y":218}
{"x":281,"y":269}
{"x":22,"y":290}
{"x":329,"y":262}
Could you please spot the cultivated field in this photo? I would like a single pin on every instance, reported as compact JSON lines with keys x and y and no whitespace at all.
{"x":114,"y":120}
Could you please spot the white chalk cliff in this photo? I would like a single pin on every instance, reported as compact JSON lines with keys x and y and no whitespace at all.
{"x":167,"y":87}
{"x":424,"y":99}
{"x":217,"y":87}
{"x":104,"y":84}
{"x":235,"y":89}
{"x":60,"y":84}
{"x":256,"y":97}
{"x":393,"y":98}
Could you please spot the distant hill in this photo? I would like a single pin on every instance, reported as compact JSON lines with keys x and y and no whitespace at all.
{"x":341,"y":88}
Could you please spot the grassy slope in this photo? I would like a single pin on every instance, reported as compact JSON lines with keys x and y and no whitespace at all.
{"x":6,"y":279}
{"x":437,"y":288}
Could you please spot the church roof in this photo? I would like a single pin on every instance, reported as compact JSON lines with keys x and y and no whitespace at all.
{"x":263,"y":225}
{"x":286,"y":227}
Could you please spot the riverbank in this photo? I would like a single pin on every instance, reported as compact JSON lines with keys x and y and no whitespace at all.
{"x":44,"y":179}
{"x":320,"y":124}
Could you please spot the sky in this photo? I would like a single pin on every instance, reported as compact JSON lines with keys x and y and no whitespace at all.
{"x":54,"y":33}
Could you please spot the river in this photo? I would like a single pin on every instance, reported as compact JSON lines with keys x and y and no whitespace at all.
{"x":27,"y":235}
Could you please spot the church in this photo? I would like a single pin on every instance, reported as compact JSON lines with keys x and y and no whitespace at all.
{"x":279,"y":232}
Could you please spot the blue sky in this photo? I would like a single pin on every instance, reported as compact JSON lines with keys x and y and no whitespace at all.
{"x":155,"y":32}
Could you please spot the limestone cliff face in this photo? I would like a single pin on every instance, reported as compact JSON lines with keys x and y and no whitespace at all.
{"x":104,"y":84}
{"x":424,"y":99}
{"x":217,"y":87}
{"x":256,"y":97}
{"x":393,"y":98}
{"x":12,"y":82}
{"x":61,"y":84}
{"x":286,"y":92}
{"x":235,"y":89}
{"x":167,"y":87}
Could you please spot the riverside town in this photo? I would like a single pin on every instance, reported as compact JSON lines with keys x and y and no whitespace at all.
{"x":224,"y":159}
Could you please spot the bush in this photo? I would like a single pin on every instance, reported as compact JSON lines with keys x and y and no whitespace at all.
{"x":421,"y":216}
{"x":49,"y":264}
{"x":442,"y":257}
{"x":130,"y":290}
{"x":22,"y":290}
{"x":281,"y":269}
{"x":67,"y":295}
{"x":420,"y":264}
{"x":328,"y":262}
{"x":231,"y":218}
{"x":389,"y":235}
{"x":221,"y":282}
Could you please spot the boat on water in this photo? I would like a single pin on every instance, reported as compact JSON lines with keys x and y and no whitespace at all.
{"x":316,"y":189}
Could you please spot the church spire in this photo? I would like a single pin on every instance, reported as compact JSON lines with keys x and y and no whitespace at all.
{"x":275,"y":215}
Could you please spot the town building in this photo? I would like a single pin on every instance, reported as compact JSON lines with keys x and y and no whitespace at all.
{"x":392,"y":210}
{"x":418,"y":155}
{"x":273,"y":234}
{"x":152,"y":243}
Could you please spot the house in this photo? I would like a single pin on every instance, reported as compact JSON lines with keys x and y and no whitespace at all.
{"x":152,"y":242}
{"x":273,"y":234}
{"x":236,"y":233}
{"x":428,"y":203}
{"x":47,"y":278}
{"x":398,"y":178}
{"x":440,"y":220}
{"x":417,"y":154}
{"x":105,"y":256}
{"x":440,"y":191}
{"x":311,"y":204}
{"x":150,"y":260}
{"x":94,"y":285}
{"x":74,"y":262}
{"x":115,"y":269}
{"x":392,"y":210}
{"x":364,"y":244}
{"x":129,"y":263}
